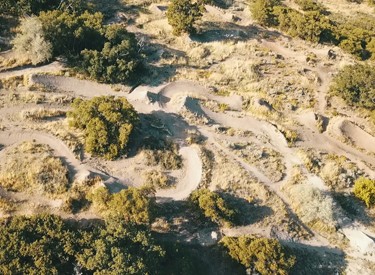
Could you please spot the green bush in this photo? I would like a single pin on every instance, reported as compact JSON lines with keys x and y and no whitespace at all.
{"x":167,"y":158}
{"x":107,"y":123}
{"x":70,"y":33}
{"x":364,"y":189}
{"x":30,"y":7}
{"x":117,"y":61}
{"x":46,"y":244}
{"x":182,"y":16}
{"x":213,"y":207}
{"x":356,"y":85}
{"x":263,"y":11}
{"x":260,"y":255}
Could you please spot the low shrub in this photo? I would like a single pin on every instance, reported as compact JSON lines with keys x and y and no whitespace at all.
{"x":364,"y":189}
{"x":260,"y":255}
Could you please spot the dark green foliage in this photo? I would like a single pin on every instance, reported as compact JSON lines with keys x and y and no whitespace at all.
{"x":34,"y":7}
{"x":312,"y":25}
{"x":106,"y":53}
{"x":107,"y":123}
{"x":260,"y":255}
{"x":46,"y":244}
{"x":29,"y":7}
{"x":263,"y":11}
{"x":72,"y":33}
{"x":119,"y":248}
{"x":356,"y":85}
{"x":213,"y":206}
{"x":37,"y":245}
{"x":182,"y":16}
{"x":118,"y":59}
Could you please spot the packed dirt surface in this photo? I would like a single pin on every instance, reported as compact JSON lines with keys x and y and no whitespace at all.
{"x":271,"y":126}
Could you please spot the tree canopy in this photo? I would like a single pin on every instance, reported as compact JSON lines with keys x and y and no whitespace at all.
{"x":260,"y":255}
{"x":183,"y":14}
{"x":107,"y":123}
{"x":356,"y":85}
{"x":47,"y":244}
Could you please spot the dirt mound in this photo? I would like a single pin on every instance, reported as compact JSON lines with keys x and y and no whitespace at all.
{"x":349,"y":131}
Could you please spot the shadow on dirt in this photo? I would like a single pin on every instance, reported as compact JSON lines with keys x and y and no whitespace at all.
{"x":227,"y":31}
{"x":318,"y":260}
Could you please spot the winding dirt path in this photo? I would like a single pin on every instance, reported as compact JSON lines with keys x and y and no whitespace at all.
{"x":192,"y":176}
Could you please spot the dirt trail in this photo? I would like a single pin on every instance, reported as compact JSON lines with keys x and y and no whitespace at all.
{"x":192,"y":176}
{"x":49,"y":68}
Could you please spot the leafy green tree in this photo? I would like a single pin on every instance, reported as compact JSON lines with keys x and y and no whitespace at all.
{"x":107,"y":123}
{"x":29,"y":7}
{"x":70,"y":33}
{"x":30,"y":42}
{"x":263,"y":11}
{"x":117,"y":61}
{"x":356,"y":85}
{"x":364,"y":189}
{"x":260,"y":255}
{"x":119,"y":248}
{"x":37,"y":245}
{"x":213,"y":206}
{"x":46,"y":244}
{"x":182,"y":16}
{"x":131,"y":205}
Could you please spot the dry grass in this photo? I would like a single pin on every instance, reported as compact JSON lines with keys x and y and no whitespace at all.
{"x":267,"y":160}
{"x":41,"y":113}
{"x":73,"y":138}
{"x":32,"y":166}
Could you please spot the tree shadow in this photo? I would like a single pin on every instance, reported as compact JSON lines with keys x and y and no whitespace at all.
{"x":184,"y":258}
{"x":247,"y":213}
{"x":354,"y":209}
{"x":319,"y":260}
{"x":227,"y":31}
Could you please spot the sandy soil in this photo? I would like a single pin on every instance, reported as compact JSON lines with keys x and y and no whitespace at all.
{"x":342,"y":137}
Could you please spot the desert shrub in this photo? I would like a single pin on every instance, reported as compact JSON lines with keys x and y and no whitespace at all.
{"x":107,"y":123}
{"x":47,"y":173}
{"x":263,"y":11}
{"x":70,"y":33}
{"x":182,"y":16}
{"x":30,"y":43}
{"x":156,"y":179}
{"x":364,"y":189}
{"x":131,"y":205}
{"x":117,"y":61}
{"x":313,"y":25}
{"x":356,"y":85}
{"x":310,"y":5}
{"x":46,"y":244}
{"x":259,"y":255}
{"x":314,"y":208}
{"x":167,"y":159}
{"x":213,"y":206}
